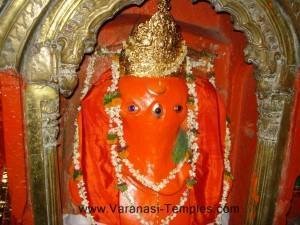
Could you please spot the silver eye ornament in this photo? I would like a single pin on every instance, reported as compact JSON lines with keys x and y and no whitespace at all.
{"x":157,"y":110}
{"x":178,"y":108}
{"x":133,"y":108}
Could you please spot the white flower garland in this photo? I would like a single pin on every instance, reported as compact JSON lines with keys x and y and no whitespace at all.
{"x":89,"y":75}
{"x":116,"y":128}
{"x":81,"y":184}
{"x":148,"y":183}
{"x":227,"y":167}
{"x":76,"y":154}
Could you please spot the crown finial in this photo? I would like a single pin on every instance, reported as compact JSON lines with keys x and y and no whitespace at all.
{"x":155,"y":47}
{"x":163,"y":5}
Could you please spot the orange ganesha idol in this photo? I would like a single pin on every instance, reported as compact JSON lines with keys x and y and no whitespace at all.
{"x":151,"y":137}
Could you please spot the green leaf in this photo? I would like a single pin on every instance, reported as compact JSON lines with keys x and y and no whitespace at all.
{"x":122,"y":187}
{"x":110,"y":96}
{"x":191,"y":99}
{"x":112,"y":136}
{"x":228,"y":174}
{"x":76,"y":174}
{"x":191,"y":182}
{"x":190,"y":77}
{"x":181,"y":147}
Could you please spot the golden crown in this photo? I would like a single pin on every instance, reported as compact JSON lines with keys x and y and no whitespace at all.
{"x":155,"y":47}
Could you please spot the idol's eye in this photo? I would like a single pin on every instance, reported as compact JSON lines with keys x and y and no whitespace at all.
{"x":157,"y":110}
{"x":178,"y":108}
{"x":133,"y":108}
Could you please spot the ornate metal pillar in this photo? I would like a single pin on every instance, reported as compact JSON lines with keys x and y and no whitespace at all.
{"x":271,"y":48}
{"x":42,"y":113}
{"x":50,"y":70}
{"x":269,"y":156}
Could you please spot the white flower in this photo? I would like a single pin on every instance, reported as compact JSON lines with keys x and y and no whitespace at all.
{"x":89,"y":76}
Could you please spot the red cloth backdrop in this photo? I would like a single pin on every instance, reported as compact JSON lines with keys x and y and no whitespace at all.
{"x":13,"y":151}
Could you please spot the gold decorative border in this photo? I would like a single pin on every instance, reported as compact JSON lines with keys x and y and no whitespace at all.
{"x":271,"y":48}
{"x":41,"y":122}
{"x":16,"y":23}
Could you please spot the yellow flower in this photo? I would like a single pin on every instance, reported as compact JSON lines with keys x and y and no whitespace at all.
{"x":123,"y":154}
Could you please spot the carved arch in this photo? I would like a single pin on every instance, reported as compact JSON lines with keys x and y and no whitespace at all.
{"x":67,"y":34}
{"x":20,"y":19}
{"x":68,"y":31}
{"x":273,"y":50}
